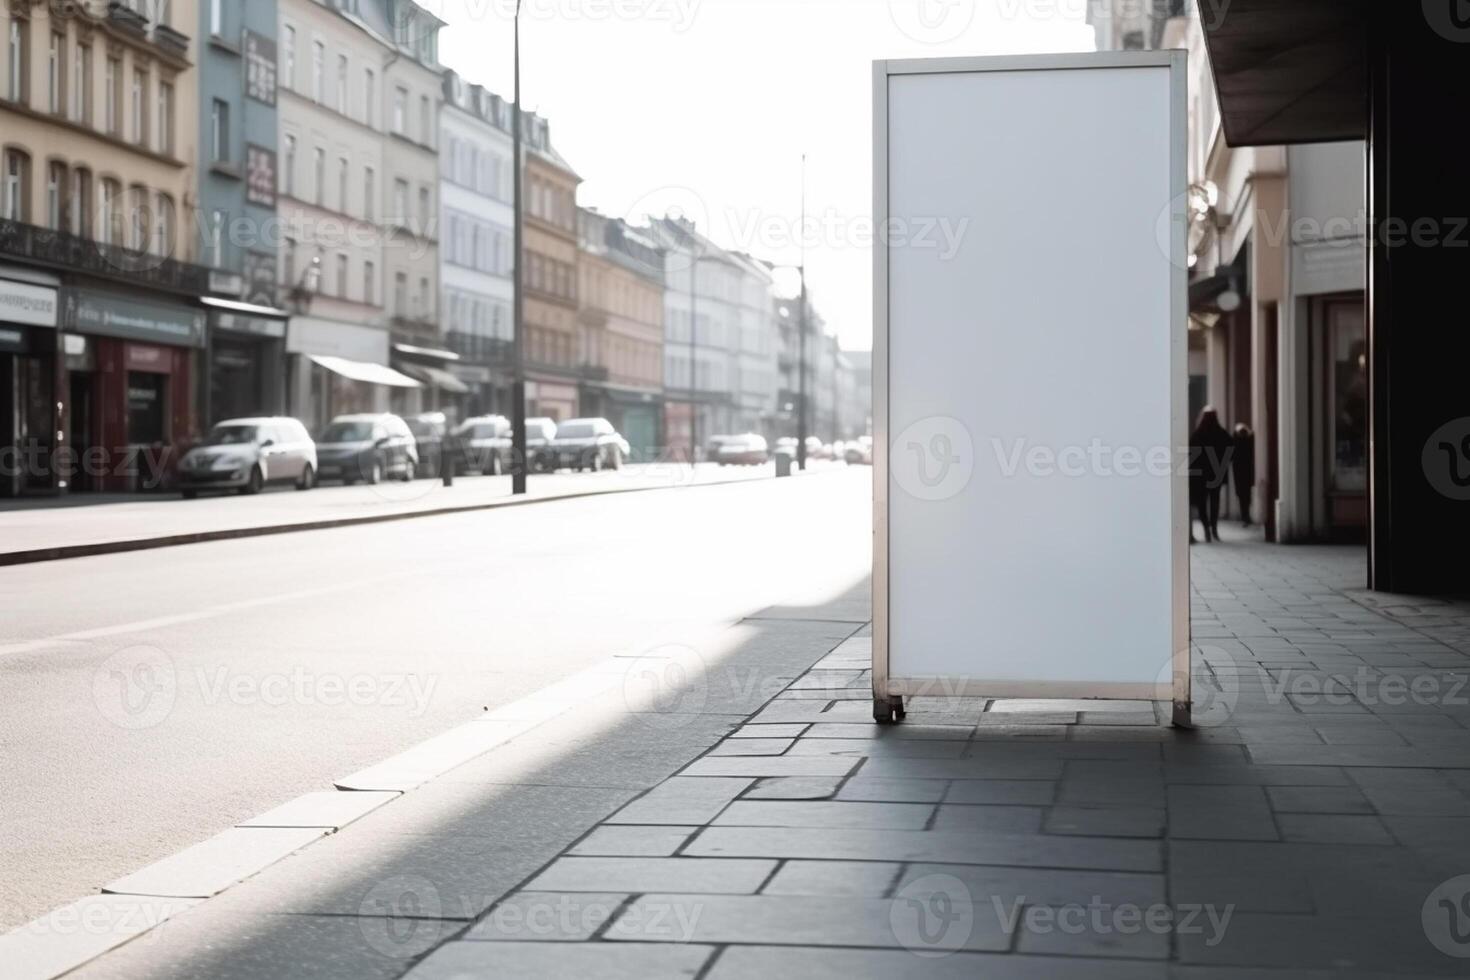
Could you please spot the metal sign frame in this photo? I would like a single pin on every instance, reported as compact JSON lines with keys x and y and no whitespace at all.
{"x":889,"y":691}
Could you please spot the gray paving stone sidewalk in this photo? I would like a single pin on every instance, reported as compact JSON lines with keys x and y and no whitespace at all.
{"x":1316,"y":824}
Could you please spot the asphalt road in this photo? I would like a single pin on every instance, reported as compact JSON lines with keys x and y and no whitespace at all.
{"x":153,"y":699}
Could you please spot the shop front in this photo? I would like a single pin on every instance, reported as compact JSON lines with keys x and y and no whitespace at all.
{"x":130,"y":372}
{"x":246,"y":358}
{"x":338,"y":368}
{"x":553,"y":399}
{"x":28,"y":379}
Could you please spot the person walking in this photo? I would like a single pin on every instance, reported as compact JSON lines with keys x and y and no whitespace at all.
{"x":1209,"y":469}
{"x":1243,"y":469}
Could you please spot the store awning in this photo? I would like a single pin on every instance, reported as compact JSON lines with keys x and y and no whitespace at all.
{"x":1289,"y":71}
{"x":434,"y":352}
{"x":373,"y":374}
{"x":436,"y":378}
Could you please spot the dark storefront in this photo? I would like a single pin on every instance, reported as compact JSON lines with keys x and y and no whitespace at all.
{"x":28,"y":376}
{"x":246,"y":358}
{"x":130,"y":366}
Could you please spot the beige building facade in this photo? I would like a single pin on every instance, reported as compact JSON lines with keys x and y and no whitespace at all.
{"x":551,"y":286}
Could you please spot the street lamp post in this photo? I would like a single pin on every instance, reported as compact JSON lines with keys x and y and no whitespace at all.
{"x":518,"y":462}
{"x":693,"y":356}
{"x":801,"y":416}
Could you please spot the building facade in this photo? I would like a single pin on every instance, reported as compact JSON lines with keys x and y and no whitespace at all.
{"x":101,"y":328}
{"x":754,"y":340}
{"x":245,"y":367}
{"x":550,"y":282}
{"x":621,"y":329}
{"x":476,"y":252}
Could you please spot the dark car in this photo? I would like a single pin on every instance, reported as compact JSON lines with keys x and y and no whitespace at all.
{"x":587,"y":444}
{"x":429,"y":430}
{"x":483,"y":445}
{"x":367,"y":448}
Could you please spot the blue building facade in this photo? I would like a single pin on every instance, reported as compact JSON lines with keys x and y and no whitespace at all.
{"x":235,"y":215}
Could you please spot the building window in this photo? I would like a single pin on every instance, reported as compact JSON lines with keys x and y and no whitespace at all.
{"x":400,"y":202}
{"x":288,"y":168}
{"x":163,"y":227}
{"x":368,"y":192}
{"x":400,"y":111}
{"x":55,"y":183}
{"x":288,"y":258}
{"x":114,"y":96}
{"x":425,"y":209}
{"x":288,"y":57}
{"x":217,"y":239}
{"x":421,"y":301}
{"x":400,"y":294}
{"x":319,"y":175}
{"x":369,"y":283}
{"x":17,"y":173}
{"x":165,"y":120}
{"x":342,"y":274}
{"x":217,"y":18}
{"x":81,"y":85}
{"x":79,"y":203}
{"x":344,"y":183}
{"x":219,"y":130}
{"x":342,"y":84}
{"x":56,"y":74}
{"x":18,"y":45}
{"x":426,"y":122}
{"x":319,"y":72}
{"x":109,"y":213}
{"x":369,"y":96}
{"x":138,"y":215}
{"x":139,"y":107}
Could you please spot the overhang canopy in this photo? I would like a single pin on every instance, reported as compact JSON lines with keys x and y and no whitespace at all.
{"x":1289,"y":71}
{"x":373,"y":374}
{"x":436,"y":378}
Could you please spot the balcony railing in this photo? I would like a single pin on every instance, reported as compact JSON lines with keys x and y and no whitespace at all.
{"x":124,"y":16}
{"x":171,"y":40}
{"x":72,"y":253}
{"x":479,"y":349}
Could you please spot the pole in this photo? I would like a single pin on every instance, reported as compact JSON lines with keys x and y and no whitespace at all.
{"x":519,"y":464}
{"x":693,"y":354}
{"x":801,"y":420}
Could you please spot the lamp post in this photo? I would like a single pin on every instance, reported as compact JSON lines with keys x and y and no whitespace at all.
{"x":694,"y":259}
{"x":519,"y":465}
{"x":801,"y":416}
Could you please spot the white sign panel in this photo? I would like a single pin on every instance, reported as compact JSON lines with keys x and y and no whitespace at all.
{"x":1030,"y":344}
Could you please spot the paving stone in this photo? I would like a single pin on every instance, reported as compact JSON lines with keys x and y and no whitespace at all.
{"x":1345,"y":945}
{"x":1209,"y":822}
{"x":893,"y":790}
{"x":558,"y":961}
{"x":1409,"y":757}
{"x":1102,"y":791}
{"x":870,"y":879}
{"x":1042,"y":886}
{"x":825,"y":813}
{"x":1255,"y":776}
{"x":1333,"y":828}
{"x":752,"y":746}
{"x":1019,"y":792}
{"x":1280,"y":892}
{"x":69,"y":936}
{"x":531,"y":916}
{"x":683,"y":800}
{"x":1055,"y":931}
{"x":908,"y":730}
{"x":329,"y":809}
{"x":817,"y":765}
{"x":768,"y":731}
{"x":763,"y":963}
{"x":1117,"y":821}
{"x":1026,"y":850}
{"x":211,"y":866}
{"x":617,"y":874}
{"x":999,"y":819}
{"x":794,"y":788}
{"x":1317,"y":799}
{"x":812,"y":921}
{"x":633,"y":840}
{"x":976,"y":768}
{"x":893,"y":748}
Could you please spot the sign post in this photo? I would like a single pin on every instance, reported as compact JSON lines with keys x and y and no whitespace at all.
{"x":1030,"y":380}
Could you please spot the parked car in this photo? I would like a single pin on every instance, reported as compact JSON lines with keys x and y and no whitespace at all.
{"x":712,"y":448}
{"x":248,"y":454}
{"x":539,"y":433}
{"x":787,"y":445}
{"x":860,"y":452}
{"x":587,"y":444}
{"x":367,"y":448}
{"x":484,"y":445}
{"x":429,"y":430}
{"x":747,"y":450}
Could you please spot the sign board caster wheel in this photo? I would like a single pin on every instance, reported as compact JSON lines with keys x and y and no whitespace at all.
{"x":888,"y":711}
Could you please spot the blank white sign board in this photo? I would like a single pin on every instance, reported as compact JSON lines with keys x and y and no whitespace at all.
{"x":1030,"y":379}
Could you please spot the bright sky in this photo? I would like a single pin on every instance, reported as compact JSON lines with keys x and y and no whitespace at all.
{"x":708,"y":105}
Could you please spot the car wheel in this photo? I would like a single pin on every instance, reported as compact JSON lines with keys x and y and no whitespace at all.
{"x":615,"y":459}
{"x":308,"y":479}
{"x":256,"y":483}
{"x":375,"y":472}
{"x":597,"y":461}
{"x":189,"y":494}
{"x":409,"y":469}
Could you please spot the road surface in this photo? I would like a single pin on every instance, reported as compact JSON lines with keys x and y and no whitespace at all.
{"x":156,"y":698}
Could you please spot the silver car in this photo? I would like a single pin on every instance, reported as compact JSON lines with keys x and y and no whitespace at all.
{"x":591,"y":444}
{"x":248,"y":454}
{"x":367,"y":448}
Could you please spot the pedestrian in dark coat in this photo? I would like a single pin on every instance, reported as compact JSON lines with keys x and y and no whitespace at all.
{"x":1243,"y":469}
{"x":1209,"y":470}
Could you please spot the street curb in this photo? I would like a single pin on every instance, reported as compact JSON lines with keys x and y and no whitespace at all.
{"x":61,"y":552}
